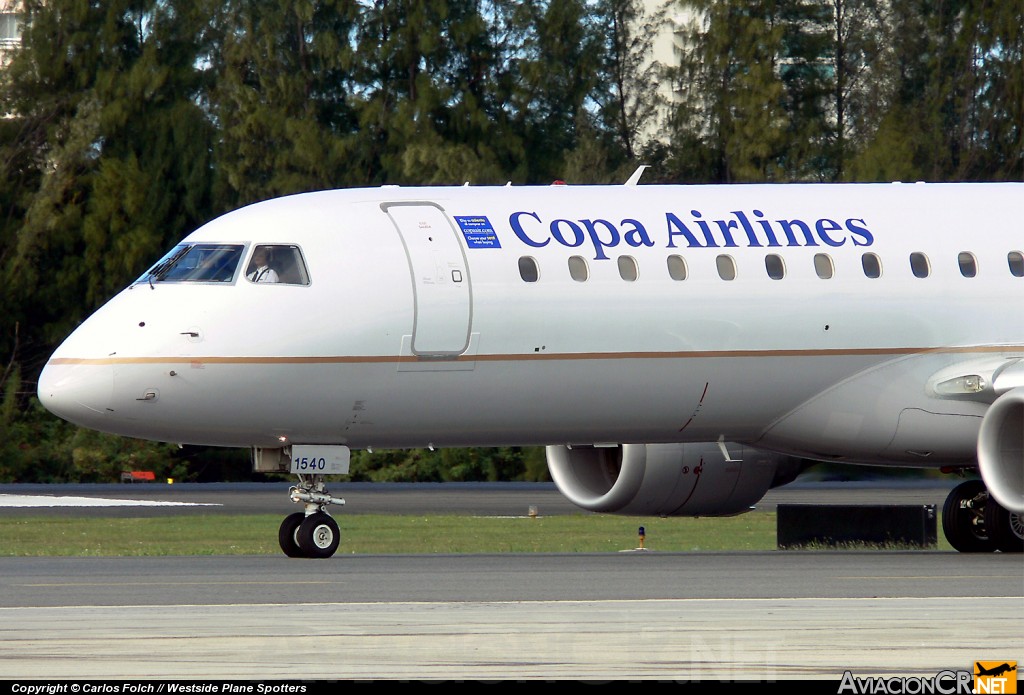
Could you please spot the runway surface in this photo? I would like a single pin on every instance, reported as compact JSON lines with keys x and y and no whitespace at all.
{"x":636,"y":615}
{"x":157,"y":499}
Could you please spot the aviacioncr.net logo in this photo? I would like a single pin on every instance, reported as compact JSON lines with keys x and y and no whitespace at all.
{"x":942,"y":683}
{"x":995,"y":677}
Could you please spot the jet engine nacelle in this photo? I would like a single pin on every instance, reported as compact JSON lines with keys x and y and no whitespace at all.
{"x":1001,"y":450}
{"x":667,"y":479}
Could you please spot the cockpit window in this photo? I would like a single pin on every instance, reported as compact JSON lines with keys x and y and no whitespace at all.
{"x":196,"y":263}
{"x":276,"y":263}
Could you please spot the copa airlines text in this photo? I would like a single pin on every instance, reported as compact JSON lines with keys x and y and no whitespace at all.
{"x":603,"y":235}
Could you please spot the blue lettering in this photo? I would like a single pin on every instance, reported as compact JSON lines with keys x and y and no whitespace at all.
{"x":758,"y":232}
{"x":675,"y":227}
{"x":824,"y":226}
{"x":747,"y":229}
{"x":595,"y":237}
{"x":858,"y":230}
{"x":513,"y":221}
{"x":577,"y":233}
{"x":707,"y":230}
{"x":767,"y":227}
{"x":725,"y":227}
{"x":787,"y":227}
{"x":637,"y":236}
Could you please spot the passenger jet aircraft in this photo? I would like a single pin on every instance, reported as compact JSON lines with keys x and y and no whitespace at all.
{"x":678,"y":350}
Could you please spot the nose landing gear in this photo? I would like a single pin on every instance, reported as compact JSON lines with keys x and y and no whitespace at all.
{"x":313,"y":533}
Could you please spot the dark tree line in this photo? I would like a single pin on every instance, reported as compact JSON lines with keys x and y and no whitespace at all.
{"x":131,"y":122}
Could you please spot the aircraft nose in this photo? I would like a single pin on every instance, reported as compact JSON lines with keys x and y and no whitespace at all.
{"x":78,"y":392}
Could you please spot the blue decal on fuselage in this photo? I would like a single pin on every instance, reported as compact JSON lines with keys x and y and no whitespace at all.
{"x":478,"y":232}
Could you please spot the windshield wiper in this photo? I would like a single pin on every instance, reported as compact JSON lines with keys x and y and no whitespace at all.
{"x":163,"y":267}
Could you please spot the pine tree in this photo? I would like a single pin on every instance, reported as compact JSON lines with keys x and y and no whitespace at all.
{"x":557,"y":74}
{"x":110,"y":165}
{"x":858,"y":58}
{"x":120,"y":150}
{"x":431,"y":82}
{"x":732,"y":95}
{"x":627,"y":92}
{"x":281,"y":96}
{"x":952,"y":106}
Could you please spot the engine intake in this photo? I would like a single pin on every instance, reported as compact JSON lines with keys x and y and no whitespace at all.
{"x":667,"y":479}
{"x":1001,"y":450}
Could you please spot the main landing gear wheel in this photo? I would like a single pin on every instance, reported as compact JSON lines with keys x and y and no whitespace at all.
{"x":963,"y":518}
{"x":1005,"y":528}
{"x":318,"y":535}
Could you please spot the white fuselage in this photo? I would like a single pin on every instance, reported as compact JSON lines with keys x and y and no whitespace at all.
{"x":417,"y":327}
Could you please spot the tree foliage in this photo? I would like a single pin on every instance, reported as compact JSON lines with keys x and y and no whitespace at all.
{"x":130,"y":122}
{"x":865,"y":90}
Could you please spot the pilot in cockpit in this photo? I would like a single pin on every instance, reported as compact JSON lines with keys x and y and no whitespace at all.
{"x":260,"y":265}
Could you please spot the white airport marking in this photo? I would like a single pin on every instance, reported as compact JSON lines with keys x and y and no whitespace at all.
{"x":51,"y":501}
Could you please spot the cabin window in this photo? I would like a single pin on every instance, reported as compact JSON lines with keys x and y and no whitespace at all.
{"x":628,"y":269}
{"x":1016,"y":261}
{"x":919,"y":265}
{"x":677,"y":268}
{"x":726,"y":267}
{"x":196,"y":263}
{"x":872,"y":265}
{"x":276,"y":264}
{"x":578,"y":269}
{"x":823,"y":266}
{"x":968,"y":264}
{"x":529,"y":271}
{"x":775,"y":266}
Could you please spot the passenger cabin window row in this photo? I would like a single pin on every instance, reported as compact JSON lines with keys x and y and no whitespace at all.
{"x":774,"y":266}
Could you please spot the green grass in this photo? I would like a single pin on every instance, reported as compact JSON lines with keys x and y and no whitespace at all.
{"x":384,"y":534}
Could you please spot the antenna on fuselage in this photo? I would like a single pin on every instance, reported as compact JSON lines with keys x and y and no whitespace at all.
{"x":635,"y":178}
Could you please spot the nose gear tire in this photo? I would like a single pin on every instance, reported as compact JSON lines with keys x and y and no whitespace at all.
{"x":318,"y":535}
{"x":286,"y":535}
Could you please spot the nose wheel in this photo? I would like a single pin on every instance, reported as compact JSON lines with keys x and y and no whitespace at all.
{"x":313,"y":533}
{"x":288,"y":534}
{"x":318,"y":535}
